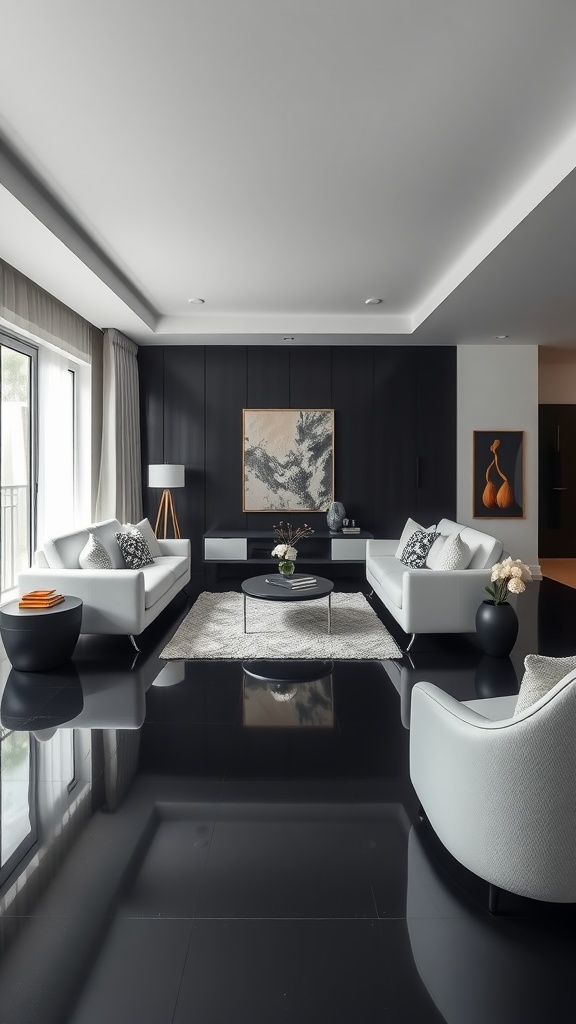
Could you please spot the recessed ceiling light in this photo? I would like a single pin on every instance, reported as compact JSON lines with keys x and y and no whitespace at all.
{"x":500,"y":337}
{"x":196,"y":302}
{"x":288,"y":339}
{"x":372,"y":302}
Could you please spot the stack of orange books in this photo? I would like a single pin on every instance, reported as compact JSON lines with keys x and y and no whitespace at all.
{"x":40,"y":599}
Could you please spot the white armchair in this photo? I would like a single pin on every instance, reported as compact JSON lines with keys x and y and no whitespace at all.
{"x":500,"y":792}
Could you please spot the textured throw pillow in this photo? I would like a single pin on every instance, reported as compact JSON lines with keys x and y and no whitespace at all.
{"x":540,"y":676}
{"x":407,"y":532}
{"x":148,"y":533}
{"x":135,"y":551}
{"x":94,"y":555}
{"x":455,"y":554}
{"x":417,"y":548}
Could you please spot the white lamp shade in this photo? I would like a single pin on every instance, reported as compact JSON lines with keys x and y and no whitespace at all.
{"x":166,"y":476}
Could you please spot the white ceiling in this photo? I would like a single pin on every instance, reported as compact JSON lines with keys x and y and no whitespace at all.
{"x":287,"y":160}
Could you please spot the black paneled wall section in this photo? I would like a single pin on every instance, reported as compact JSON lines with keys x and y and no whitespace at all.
{"x":395,"y":428}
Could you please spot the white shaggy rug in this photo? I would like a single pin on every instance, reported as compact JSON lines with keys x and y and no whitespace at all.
{"x":290,"y":630}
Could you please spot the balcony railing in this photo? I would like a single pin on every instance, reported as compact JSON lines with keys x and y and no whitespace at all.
{"x":14,"y":535}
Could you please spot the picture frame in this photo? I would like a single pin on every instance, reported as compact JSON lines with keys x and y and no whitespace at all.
{"x":287,"y":460}
{"x":498,"y":474}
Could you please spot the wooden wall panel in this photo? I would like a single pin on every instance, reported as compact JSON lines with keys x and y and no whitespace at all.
{"x":184,"y":438}
{"x":435,"y":434}
{"x":267,"y":387}
{"x":352,"y":389}
{"x":225,"y":398}
{"x":395,"y":453}
{"x":151,"y":378}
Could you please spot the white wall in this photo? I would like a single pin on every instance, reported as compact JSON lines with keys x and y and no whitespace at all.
{"x":557,"y":376}
{"x":498,"y":390}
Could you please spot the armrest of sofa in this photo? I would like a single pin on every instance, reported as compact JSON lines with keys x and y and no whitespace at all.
{"x":378,"y":548}
{"x":175,"y":547}
{"x":443,"y":601}
{"x":113,"y":598}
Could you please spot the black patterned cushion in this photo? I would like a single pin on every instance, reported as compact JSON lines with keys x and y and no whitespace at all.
{"x":417,"y":548}
{"x":134,"y":548}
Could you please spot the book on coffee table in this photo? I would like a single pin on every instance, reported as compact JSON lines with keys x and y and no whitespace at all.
{"x":292,"y":582}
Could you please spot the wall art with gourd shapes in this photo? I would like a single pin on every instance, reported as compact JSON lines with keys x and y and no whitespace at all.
{"x":498,"y":474}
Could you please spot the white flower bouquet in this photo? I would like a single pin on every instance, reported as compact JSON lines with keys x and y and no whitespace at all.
{"x":508,"y":576}
{"x":289,"y":537}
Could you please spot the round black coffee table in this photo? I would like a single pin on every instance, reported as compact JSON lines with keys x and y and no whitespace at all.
{"x":257,"y":587}
{"x":38,"y":639}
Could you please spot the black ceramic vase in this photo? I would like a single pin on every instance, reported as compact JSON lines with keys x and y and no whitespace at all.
{"x":497,"y":628}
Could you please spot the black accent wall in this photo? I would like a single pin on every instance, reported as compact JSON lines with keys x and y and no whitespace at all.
{"x":394,"y":435}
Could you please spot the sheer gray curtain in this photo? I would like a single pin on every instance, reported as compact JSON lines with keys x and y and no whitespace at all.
{"x":120,"y":484}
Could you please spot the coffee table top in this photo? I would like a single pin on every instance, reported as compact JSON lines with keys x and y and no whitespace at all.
{"x":256,"y":586}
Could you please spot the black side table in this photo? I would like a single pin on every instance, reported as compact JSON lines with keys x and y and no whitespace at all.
{"x":38,"y":639}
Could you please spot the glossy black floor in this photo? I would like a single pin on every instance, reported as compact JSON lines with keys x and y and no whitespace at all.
{"x":210,"y":863}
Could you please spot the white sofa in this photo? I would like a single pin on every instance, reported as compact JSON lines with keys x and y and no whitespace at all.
{"x":118,"y":600}
{"x":427,"y":601}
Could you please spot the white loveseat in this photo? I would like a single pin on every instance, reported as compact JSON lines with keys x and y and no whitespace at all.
{"x":118,"y":600}
{"x":429,"y":601}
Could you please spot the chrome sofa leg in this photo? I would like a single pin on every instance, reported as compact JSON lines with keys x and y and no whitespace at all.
{"x":134,"y":644}
{"x":411,"y":642}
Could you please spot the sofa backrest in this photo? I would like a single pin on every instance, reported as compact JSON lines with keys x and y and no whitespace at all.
{"x":486,"y":550}
{"x":63,"y":552}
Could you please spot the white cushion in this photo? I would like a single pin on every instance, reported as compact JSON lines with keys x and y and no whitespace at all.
{"x":407,"y":532}
{"x":105,"y":532}
{"x":384,"y":564}
{"x":176,"y":564}
{"x":455,"y":554}
{"x":392,"y":585}
{"x":94,"y":555}
{"x":435,"y":551}
{"x":157,"y":581}
{"x":63,"y":552}
{"x":540,"y":677}
{"x":486,"y":550}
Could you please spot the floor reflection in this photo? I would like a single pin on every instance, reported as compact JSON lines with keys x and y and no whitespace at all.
{"x":183,"y":839}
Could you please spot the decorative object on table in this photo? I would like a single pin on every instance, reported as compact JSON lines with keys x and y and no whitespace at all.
{"x":279,"y":629}
{"x":288,"y":536}
{"x":349,"y":526}
{"x":288,"y":458}
{"x":496,"y":620}
{"x":498,"y":474}
{"x":168,"y":477}
{"x":336,"y":516}
{"x":40,"y":599}
{"x":295,"y":582}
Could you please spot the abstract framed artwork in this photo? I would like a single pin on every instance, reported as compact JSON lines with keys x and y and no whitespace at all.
{"x":498,"y":474}
{"x":288,"y":460}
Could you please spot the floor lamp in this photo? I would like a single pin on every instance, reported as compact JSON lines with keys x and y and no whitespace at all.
{"x":167,"y":477}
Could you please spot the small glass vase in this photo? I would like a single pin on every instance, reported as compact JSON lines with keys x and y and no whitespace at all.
{"x":286,"y":567}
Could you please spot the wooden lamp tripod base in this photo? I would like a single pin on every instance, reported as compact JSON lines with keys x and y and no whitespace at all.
{"x":165,"y":509}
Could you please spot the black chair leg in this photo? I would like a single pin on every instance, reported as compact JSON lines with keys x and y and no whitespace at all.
{"x":493,"y":898}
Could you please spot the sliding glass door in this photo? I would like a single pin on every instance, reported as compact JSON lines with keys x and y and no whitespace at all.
{"x":18,"y":366}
